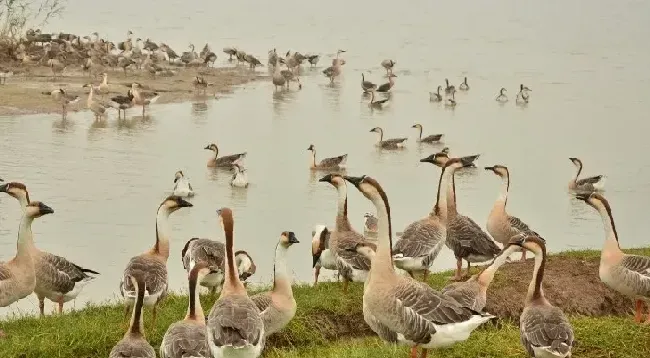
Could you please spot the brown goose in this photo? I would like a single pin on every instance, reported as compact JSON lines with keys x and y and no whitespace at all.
{"x":367,"y":86}
{"x":500,"y":224}
{"x":379,"y":103}
{"x":227,"y":161}
{"x":400,"y":309}
{"x":322,"y":256}
{"x":627,"y":274}
{"x":431,"y":138}
{"x":65,"y":99}
{"x":593,"y":183}
{"x":468,"y":161}
{"x":395,"y":143}
{"x":327,"y":163}
{"x":235,"y":326}
{"x":386,"y":87}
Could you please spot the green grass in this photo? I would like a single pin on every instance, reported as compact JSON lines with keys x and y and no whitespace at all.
{"x":327,"y":324}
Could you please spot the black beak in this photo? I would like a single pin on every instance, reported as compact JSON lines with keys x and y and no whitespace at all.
{"x":44,"y":209}
{"x":490,"y":168}
{"x":184,"y":203}
{"x":214,"y":271}
{"x":582,"y":196}
{"x":354,"y":180}
{"x":207,"y":147}
{"x":3,"y":188}
{"x":372,"y":130}
{"x":326,"y":179}
{"x":292,"y":238}
{"x":175,"y":180}
{"x":429,"y":159}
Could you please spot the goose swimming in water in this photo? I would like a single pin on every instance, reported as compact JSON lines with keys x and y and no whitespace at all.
{"x":400,"y":309}
{"x":468,"y":161}
{"x":334,"y":70}
{"x":367,"y":86}
{"x":464,"y":86}
{"x":64,"y":99}
{"x":226,"y":161}
{"x":326,"y":163}
{"x":388,"y":65}
{"x":386,"y":87}
{"x":435,"y":96}
{"x":182,"y":186}
{"x":502,"y":96}
{"x":378,"y":104}
{"x":239,"y":177}
{"x":432,"y":138}
{"x":321,"y":254}
{"x":395,"y":143}
{"x":522,"y":95}
{"x":593,"y":183}
{"x":449,"y":89}
{"x":451,"y":102}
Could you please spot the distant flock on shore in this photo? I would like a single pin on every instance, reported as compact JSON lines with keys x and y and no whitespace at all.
{"x":397,"y":306}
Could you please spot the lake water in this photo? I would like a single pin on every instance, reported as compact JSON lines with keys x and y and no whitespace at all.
{"x":586,"y":63}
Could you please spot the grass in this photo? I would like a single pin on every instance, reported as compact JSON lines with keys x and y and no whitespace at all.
{"x":327,"y":324}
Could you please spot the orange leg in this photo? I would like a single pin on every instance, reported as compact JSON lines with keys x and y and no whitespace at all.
{"x":414,"y":352}
{"x":316,"y":273}
{"x":345,"y":286}
{"x":425,"y":275}
{"x":424,"y":353}
{"x":61,"y":305}
{"x":639,"y":309}
{"x":459,"y":267}
{"x":523,"y":255}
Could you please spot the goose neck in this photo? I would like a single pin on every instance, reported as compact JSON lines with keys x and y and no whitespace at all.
{"x":502,"y":199}
{"x":535,"y":292}
{"x":313,"y":158}
{"x":382,"y":263}
{"x":450,"y":173}
{"x":440,"y":207}
{"x":579,"y":170}
{"x":163,"y":232}
{"x":342,"y":203}
{"x":486,"y":277}
{"x":195,"y":311}
{"x":420,"y":130}
{"x":611,"y":236}
{"x":232,"y":284}
{"x":25,"y":243}
{"x":281,"y":282}
{"x":136,"y":329}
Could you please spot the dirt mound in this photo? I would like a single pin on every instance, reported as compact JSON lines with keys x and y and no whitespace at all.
{"x":569,"y":283}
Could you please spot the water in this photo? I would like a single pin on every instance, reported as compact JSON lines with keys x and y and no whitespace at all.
{"x":585,"y":63}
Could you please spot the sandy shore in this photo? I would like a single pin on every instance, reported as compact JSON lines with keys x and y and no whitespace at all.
{"x":22,"y":94}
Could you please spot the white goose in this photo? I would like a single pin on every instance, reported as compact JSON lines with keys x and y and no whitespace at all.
{"x":182,"y":186}
{"x":322,"y":256}
{"x":239,"y":177}
{"x":400,"y":309}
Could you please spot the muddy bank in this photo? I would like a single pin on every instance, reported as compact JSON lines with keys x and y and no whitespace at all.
{"x":22,"y":94}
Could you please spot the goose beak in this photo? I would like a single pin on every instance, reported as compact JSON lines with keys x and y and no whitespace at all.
{"x":326,"y":179}
{"x":184,"y":203}
{"x":489,"y":168}
{"x":292,"y":238}
{"x":44,"y":209}
{"x":207,"y":147}
{"x":583,"y":196}
{"x":354,"y":180}
{"x":429,"y":159}
{"x":3,"y":188}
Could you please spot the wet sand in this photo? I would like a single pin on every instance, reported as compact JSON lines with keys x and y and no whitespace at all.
{"x":23,"y":92}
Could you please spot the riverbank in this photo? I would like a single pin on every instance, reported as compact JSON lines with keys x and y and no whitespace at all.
{"x":329,"y":324}
{"x":23,"y":92}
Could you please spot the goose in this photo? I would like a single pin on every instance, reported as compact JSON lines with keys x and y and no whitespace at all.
{"x":252,"y":61}
{"x":143,"y":98}
{"x":421,"y":241}
{"x":65,"y":99}
{"x":182,"y":186}
{"x":235,"y":327}
{"x":334,"y":70}
{"x":351,"y":265}
{"x":186,"y":338}
{"x":57,"y":65}
{"x":468,"y":161}
{"x":212,"y":252}
{"x":473,"y":292}
{"x":367,"y":86}
{"x":134,"y":344}
{"x":379,"y":104}
{"x":369,"y":225}
{"x":386,"y":87}
{"x":395,"y":143}
{"x":289,"y":76}
{"x":17,"y":276}
{"x":400,"y":309}
{"x":449,"y":89}
{"x":122,"y":103}
{"x":388,"y":65}
{"x":464,"y":86}
{"x":313,"y":59}
{"x":103,"y":86}
{"x":500,"y":224}
{"x":432,"y":138}
{"x":188,"y":56}
{"x":522,"y":95}
{"x":545,"y":330}
{"x":57,"y":279}
{"x":278,"y":79}
{"x":451,"y":102}
{"x":4,"y":73}
{"x":230,"y":51}
{"x":226,"y":161}
{"x":239,"y":177}
{"x":435,"y":96}
{"x":322,"y":255}
{"x":278,"y":306}
{"x":326,"y":163}
{"x":98,"y":109}
{"x":241,"y":57}
{"x":624,"y":273}
{"x":502,"y":98}
{"x":200,"y":84}
{"x":593,"y":183}
{"x":464,"y":237}
{"x":151,"y":266}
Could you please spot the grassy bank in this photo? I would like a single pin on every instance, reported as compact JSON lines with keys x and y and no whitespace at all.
{"x":329,"y":324}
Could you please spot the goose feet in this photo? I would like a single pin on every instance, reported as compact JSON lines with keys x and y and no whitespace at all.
{"x":459,"y":266}
{"x":414,"y":352}
{"x":638,"y":316}
{"x":61,"y":305}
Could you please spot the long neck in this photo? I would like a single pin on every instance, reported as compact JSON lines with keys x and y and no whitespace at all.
{"x":194,"y":311}
{"x":23,"y":200}
{"x":281,"y":282}
{"x":420,"y":129}
{"x":611,"y":236}
{"x":535,"y":291}
{"x":381,"y":135}
{"x":486,"y":277}
{"x":342,"y":222}
{"x":440,"y":208}
{"x":450,"y":173}
{"x":232,"y":284}
{"x":137,"y":327}
{"x":579,"y":170}
{"x":25,"y":242}
{"x":163,"y":232}
{"x":382,"y":263}
{"x":502,"y":199}
{"x":313,"y":157}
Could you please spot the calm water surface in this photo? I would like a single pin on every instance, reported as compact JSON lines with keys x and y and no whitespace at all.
{"x":585,"y":63}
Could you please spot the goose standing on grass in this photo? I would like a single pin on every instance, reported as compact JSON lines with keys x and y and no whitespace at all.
{"x":468,"y":161}
{"x":352,"y":266}
{"x":122,"y":103}
{"x":235,"y":325}
{"x":98,"y":109}
{"x":367,"y":86}
{"x":396,"y":143}
{"x":134,"y":344}
{"x":464,"y":86}
{"x":449,"y":89}
{"x":57,"y":279}
{"x":500,"y":225}
{"x":182,"y":186}
{"x":422,"y":240}
{"x":327,"y":163}
{"x":400,"y":309}
{"x":594,"y":183}
{"x":227,"y":161}
{"x":502,"y":98}
{"x":213,"y":253}
{"x":523,"y":95}
{"x":624,"y":273}
{"x":432,"y":138}
{"x":464,"y":237}
{"x":150,"y":267}
{"x":278,"y":306}
{"x":239,"y":177}
{"x":60,"y":96}
{"x":386,"y":87}
{"x":379,"y":104}
{"x":388,"y":65}
{"x":545,"y":330}
{"x":435,"y":96}
{"x":322,"y":255}
{"x":186,"y":338}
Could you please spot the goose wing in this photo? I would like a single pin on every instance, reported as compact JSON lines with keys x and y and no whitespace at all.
{"x":467,"y":294}
{"x":184,"y":339}
{"x":470,"y":239}
{"x":346,"y":250}
{"x":128,"y":348}
{"x":204,"y":250}
{"x":382,"y":330}
{"x":393,"y":141}
{"x":521,"y":226}
{"x":334,"y":161}
{"x":469,"y":160}
{"x":383,"y":88}
{"x":420,"y":238}
{"x":639,"y":271}
{"x":235,"y":321}
{"x":58,"y":274}
{"x":432,"y":138}
{"x":152,"y":271}
{"x":590,"y":180}
{"x":262,"y":301}
{"x":545,"y":327}
{"x":229,"y":159}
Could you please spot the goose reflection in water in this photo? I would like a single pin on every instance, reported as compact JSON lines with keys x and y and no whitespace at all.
{"x":199,"y":107}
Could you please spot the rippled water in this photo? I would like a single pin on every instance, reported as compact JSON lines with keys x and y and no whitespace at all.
{"x":586,"y":65}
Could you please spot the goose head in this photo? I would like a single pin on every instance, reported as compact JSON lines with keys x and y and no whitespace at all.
{"x":596,"y":201}
{"x":173,"y":203}
{"x":502,"y":91}
{"x":237,"y":168}
{"x":377,"y":130}
{"x":417,"y":125}
{"x":437,"y":159}
{"x":245,"y":265}
{"x":311,"y":147}
{"x":36,"y":209}
{"x":445,"y":150}
{"x":319,"y":241}
{"x":577,"y":162}
{"x":288,"y":238}
{"x":532,"y":243}
{"x":178,"y":175}
{"x":499,"y":170}
{"x":335,"y":179}
{"x":201,"y":269}
{"x":213,"y":147}
{"x":16,"y":190}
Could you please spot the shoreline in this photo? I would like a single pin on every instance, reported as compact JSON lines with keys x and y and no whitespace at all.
{"x":22,"y":93}
{"x":329,"y":321}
